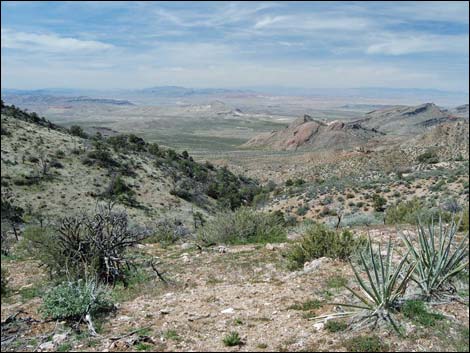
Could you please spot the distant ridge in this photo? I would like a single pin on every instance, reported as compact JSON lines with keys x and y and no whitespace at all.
{"x":307,"y":132}
{"x":391,"y":123}
{"x":405,"y":120}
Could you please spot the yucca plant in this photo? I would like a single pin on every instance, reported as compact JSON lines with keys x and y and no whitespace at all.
{"x":438,"y":255}
{"x":382,"y":290}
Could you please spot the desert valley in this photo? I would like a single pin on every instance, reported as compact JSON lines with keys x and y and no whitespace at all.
{"x":179,"y":218}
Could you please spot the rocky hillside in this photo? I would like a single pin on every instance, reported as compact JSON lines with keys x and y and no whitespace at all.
{"x":378,"y":128}
{"x":451,"y":138}
{"x":404,"y":120}
{"x":52,"y":171}
{"x":309,"y":133}
{"x":461,"y":111}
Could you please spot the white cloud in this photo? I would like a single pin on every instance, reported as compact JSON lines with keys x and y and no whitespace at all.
{"x":269,"y":20}
{"x":400,"y":44}
{"x":312,"y":22}
{"x":439,"y":11}
{"x":291,"y":44}
{"x":48,"y":42}
{"x":229,"y":13}
{"x":238,"y":44}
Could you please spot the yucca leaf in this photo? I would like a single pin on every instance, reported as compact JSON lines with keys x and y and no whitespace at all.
{"x":360,"y":281}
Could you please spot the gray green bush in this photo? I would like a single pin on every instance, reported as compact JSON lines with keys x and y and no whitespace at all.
{"x":319,"y":241}
{"x":242,"y":226}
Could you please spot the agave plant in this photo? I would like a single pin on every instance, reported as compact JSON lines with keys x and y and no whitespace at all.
{"x":383,"y":288}
{"x":438,"y":256}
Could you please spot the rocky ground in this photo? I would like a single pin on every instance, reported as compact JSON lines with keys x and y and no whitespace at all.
{"x":210,"y":293}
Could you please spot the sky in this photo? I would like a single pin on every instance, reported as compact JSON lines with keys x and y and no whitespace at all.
{"x":108,"y":45}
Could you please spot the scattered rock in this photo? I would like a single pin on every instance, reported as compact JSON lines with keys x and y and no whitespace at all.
{"x":185,"y":257}
{"x":269,"y":247}
{"x":124,"y":318}
{"x":59,"y":338}
{"x":187,"y":246}
{"x":194,"y":317}
{"x":47,"y":346}
{"x":228,"y":311}
{"x":315,"y":264}
{"x":272,"y":247}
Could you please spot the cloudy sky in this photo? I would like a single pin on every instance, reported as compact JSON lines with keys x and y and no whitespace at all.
{"x":235,"y":44}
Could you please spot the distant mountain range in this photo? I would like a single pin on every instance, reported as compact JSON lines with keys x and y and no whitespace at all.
{"x":449,"y":98}
{"x":21,"y":99}
{"x":160,"y":91}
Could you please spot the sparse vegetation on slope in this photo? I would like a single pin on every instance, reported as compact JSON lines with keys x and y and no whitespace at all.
{"x":242,"y":226}
{"x":183,"y":210}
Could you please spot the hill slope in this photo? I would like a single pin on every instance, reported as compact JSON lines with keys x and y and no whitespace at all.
{"x":404,"y":120}
{"x":47,"y":169}
{"x":379,"y":128}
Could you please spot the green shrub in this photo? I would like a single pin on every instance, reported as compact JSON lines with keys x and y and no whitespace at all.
{"x":366,"y":344}
{"x":379,"y":202}
{"x":260,"y":199}
{"x":118,"y":142}
{"x":302,"y":210}
{"x":167,"y":232}
{"x":359,"y":219}
{"x":299,"y":182}
{"x":326,"y":201}
{"x":416,"y":311}
{"x":336,"y":282}
{"x":308,"y":305}
{"x":335,"y":326}
{"x":4,"y":132}
{"x":100,"y":156}
{"x":75,"y":300}
{"x":155,"y":150}
{"x":232,"y":339}
{"x":429,"y":157}
{"x":41,"y":243}
{"x":4,"y":280}
{"x":230,"y":191}
{"x":118,"y":187}
{"x":76,"y":130}
{"x":464,"y":227}
{"x":319,"y":241}
{"x":403,"y":212}
{"x":241,"y":227}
